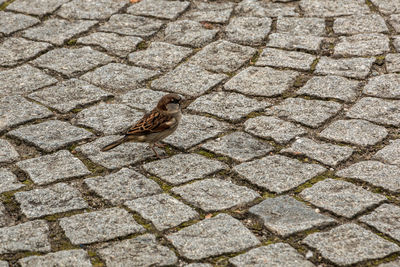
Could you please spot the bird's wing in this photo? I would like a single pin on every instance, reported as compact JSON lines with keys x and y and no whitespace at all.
{"x":152,"y":123}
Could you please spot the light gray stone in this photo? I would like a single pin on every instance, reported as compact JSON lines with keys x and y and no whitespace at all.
{"x":396,"y":43}
{"x":98,"y":226}
{"x":248,"y":30}
{"x":123,"y":185}
{"x":209,"y":238}
{"x":363,"y":44}
{"x":76,"y":257}
{"x":182,"y":168}
{"x":50,"y":168}
{"x":360,"y":24}
{"x":162,"y":210}
{"x":395,"y":263}
{"x":36,"y":7}
{"x":281,"y":58}
{"x":127,"y":24}
{"x":349,"y":244}
{"x":261,"y":81}
{"x":389,"y":154}
{"x":348,"y":67}
{"x":8,"y":181}
{"x":198,"y":265}
{"x":328,"y":8}
{"x":278,"y":173}
{"x":387,"y":6}
{"x":357,"y":132}
{"x":394,"y":21}
{"x":385,"y":86}
{"x":301,"y":26}
{"x":8,"y":153}
{"x":392,"y":62}
{"x":290,"y":41}
{"x":217,"y":12}
{"x":256,"y":8}
{"x":5,"y":219}
{"x":4,"y":263}
{"x":159,"y":8}
{"x":340,"y":197}
{"x":50,"y":200}
{"x":143,"y":98}
{"x":90,"y":9}
{"x":12,"y":22}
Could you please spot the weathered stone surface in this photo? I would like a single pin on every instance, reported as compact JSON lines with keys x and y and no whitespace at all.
{"x":387,"y":6}
{"x":196,"y":265}
{"x":340,"y":197}
{"x":8,"y":181}
{"x":54,"y":167}
{"x":312,"y":113}
{"x":274,"y":255}
{"x":29,"y":236}
{"x":324,"y":8}
{"x":36,"y":7}
{"x":392,"y":62}
{"x":11,"y":22}
{"x":389,"y":154}
{"x":215,"y":194}
{"x":76,"y":257}
{"x":239,"y":146}
{"x":331,"y":87}
{"x":256,"y":8}
{"x":69,"y":94}
{"x":281,"y":58}
{"x":209,"y":238}
{"x":358,"y":132}
{"x":50,"y":200}
{"x":229,"y":106}
{"x":394,"y":21}
{"x":386,"y":85}
{"x":99,"y":226}
{"x":211,"y":11}
{"x":159,"y":56}
{"x":290,"y":41}
{"x":374,"y":172}
{"x":5,"y":219}
{"x":90,"y":9}
{"x":360,"y":24}
{"x":139,"y":251}
{"x":395,"y":263}
{"x":4,"y":263}
{"x":58,"y":31}
{"x":123,"y":185}
{"x":350,"y":243}
{"x":364,"y":44}
{"x":348,"y":67}
{"x":273,"y":128}
{"x":181,"y":168}
{"x":278,"y":173}
{"x":162,"y":210}
{"x":261,"y":81}
{"x":143,"y":98}
{"x":50,"y":135}
{"x":72,"y":61}
{"x":127,"y":24}
{"x":159,"y":8}
{"x":8,"y":153}
{"x":119,"y":78}
{"x":396,"y":43}
{"x":301,"y":26}
{"x":248,"y":30}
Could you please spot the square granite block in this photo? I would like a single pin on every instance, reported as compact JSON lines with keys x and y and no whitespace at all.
{"x":159,"y":8}
{"x":12,"y":22}
{"x":127,"y":24}
{"x":36,"y":7}
{"x":8,"y":181}
{"x":142,"y":98}
{"x":257,"y":8}
{"x":385,"y":86}
{"x":248,"y":30}
{"x":290,"y":41}
{"x":348,"y":67}
{"x":90,"y":9}
{"x":286,"y":59}
{"x":360,"y":24}
{"x":364,"y":44}
{"x":324,"y":8}
{"x":210,"y":11}
{"x":388,"y":6}
{"x":301,"y":26}
{"x":8,"y":153}
{"x":389,"y":154}
{"x":5,"y":219}
{"x":76,"y":257}
{"x":394,"y":21}
{"x":392,"y":62}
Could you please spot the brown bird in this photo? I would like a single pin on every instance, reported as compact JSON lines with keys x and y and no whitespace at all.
{"x":154,"y":126}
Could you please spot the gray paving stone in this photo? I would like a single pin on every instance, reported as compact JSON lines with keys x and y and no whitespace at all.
{"x":58,"y":31}
{"x":99,"y":226}
{"x":229,"y":106}
{"x":286,"y":59}
{"x":198,"y":265}
{"x":50,"y":200}
{"x":285,"y":216}
{"x":256,"y":8}
{"x":72,"y":61}
{"x":394,"y":21}
{"x":108,"y":118}
{"x":29,"y":236}
{"x":159,"y":8}
{"x":123,"y":185}
{"x":8,"y":181}
{"x":274,"y":255}
{"x":389,"y":154}
{"x":209,"y":238}
{"x":162,"y":210}
{"x":392,"y":62}
{"x":11,"y":22}
{"x":3,"y":263}
{"x":387,"y":6}
{"x":143,"y":98}
{"x":217,"y":12}
{"x":239,"y":146}
{"x":273,"y":128}
{"x":290,"y":41}
{"x":16,"y":110}
{"x":301,"y":26}
{"x":76,"y":257}
{"x":248,"y":30}
{"x":326,"y":153}
{"x":312,"y":113}
{"x":348,"y":67}
{"x":323,"y":8}
{"x":54,"y":167}
{"x":36,"y":7}
{"x":386,"y":219}
{"x":350,"y":243}
{"x":385,"y":86}
{"x":195,"y":129}
{"x":395,"y":263}
{"x":58,"y":134}
{"x":340,"y":197}
{"x":188,"y":32}
{"x":5,"y":220}
{"x":331,"y":86}
{"x":119,"y":78}
{"x":68,"y":95}
{"x":90,"y":9}
{"x":8,"y":153}
{"x":159,"y":55}
{"x":396,"y":43}
{"x":360,"y":24}
{"x":357,"y":132}
{"x":363,"y":44}
{"x":140,"y":251}
{"x":278,"y":173}
{"x":374,"y":172}
{"x":127,"y":24}
{"x":261,"y":81}
{"x":22,"y":80}
{"x":15,"y":50}
{"x":182,"y":168}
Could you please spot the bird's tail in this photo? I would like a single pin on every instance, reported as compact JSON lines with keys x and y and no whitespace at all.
{"x":114,"y":144}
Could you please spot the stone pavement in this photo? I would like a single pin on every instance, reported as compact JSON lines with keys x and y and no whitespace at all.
{"x":288,"y":153}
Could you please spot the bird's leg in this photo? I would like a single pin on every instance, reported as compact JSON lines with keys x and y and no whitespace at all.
{"x":159,"y":145}
{"x":155,"y":152}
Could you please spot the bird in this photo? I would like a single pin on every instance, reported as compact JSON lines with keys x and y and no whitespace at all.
{"x":161,"y":122}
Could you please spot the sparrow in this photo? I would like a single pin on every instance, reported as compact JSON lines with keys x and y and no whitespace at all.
{"x":154,"y":126}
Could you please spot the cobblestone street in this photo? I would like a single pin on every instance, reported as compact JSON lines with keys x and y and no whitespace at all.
{"x":288,"y":153}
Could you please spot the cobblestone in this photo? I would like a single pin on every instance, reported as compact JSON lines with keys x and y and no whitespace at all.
{"x":211,"y":12}
{"x":90,"y":9}
{"x":301,"y":26}
{"x":389,"y":154}
{"x":248,"y":30}
{"x":394,"y":21}
{"x":362,"y":45}
{"x":36,"y":7}
{"x":289,"y":41}
{"x":387,"y":6}
{"x":159,"y":8}
{"x":360,"y":24}
{"x":76,"y":257}
{"x":142,"y":98}
{"x":281,"y":58}
{"x":8,"y":153}
{"x":347,"y":67}
{"x":393,"y":62}
{"x":251,"y":8}
{"x":322,"y":8}
{"x":8,"y":181}
{"x":11,"y":22}
{"x":385,"y":86}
